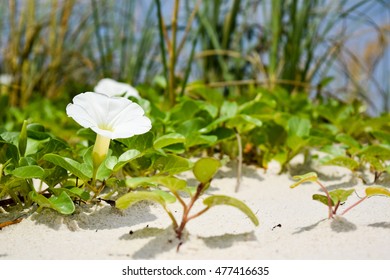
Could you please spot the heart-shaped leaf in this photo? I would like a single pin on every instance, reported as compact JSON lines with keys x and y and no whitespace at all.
{"x":205,"y":169}
{"x":323,"y":199}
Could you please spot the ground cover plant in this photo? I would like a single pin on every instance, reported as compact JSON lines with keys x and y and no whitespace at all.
{"x":333,"y":199}
{"x":90,"y":116}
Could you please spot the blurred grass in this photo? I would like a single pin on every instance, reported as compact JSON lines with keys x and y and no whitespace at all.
{"x":55,"y":49}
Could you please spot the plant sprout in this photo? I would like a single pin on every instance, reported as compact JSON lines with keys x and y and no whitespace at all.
{"x":110,"y":118}
{"x":204,"y":170}
{"x":111,"y":87}
{"x":335,"y":198}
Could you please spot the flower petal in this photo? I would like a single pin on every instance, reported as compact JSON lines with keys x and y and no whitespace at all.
{"x":137,"y":126}
{"x":111,"y":117}
{"x":111,"y":87}
{"x":94,"y":105}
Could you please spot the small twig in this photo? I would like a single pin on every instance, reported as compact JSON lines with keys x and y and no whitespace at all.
{"x":8,"y":223}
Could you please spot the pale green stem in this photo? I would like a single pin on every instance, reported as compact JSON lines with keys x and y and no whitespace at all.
{"x":99,"y":153}
{"x":100,"y":150}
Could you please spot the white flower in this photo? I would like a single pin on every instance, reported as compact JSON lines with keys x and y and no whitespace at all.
{"x":5,"y":79}
{"x":109,"y":117}
{"x":111,"y":87}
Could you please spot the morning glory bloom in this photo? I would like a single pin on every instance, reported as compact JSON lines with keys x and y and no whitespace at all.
{"x":111,"y":87}
{"x":110,"y":117}
{"x":5,"y":79}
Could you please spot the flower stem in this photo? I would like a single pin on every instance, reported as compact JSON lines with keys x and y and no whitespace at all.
{"x":100,"y":150}
{"x":99,"y":153}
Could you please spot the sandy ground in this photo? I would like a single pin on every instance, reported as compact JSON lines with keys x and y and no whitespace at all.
{"x":292,"y":225}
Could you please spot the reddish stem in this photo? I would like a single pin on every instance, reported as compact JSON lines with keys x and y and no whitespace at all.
{"x":353,"y":205}
{"x":329,"y":199}
{"x":187,"y":209}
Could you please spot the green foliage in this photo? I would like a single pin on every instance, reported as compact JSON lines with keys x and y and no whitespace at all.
{"x":335,"y":198}
{"x":309,"y":177}
{"x":215,"y":200}
{"x":377,"y":190}
{"x":204,"y":169}
{"x":81,"y":170}
{"x":46,"y":160}
{"x":62,"y":203}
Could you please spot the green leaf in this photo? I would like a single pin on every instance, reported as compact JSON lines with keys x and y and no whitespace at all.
{"x":308,"y":177}
{"x":8,"y":151}
{"x":205,"y":168}
{"x":131,"y":198}
{"x":125,"y":158}
{"x":79,"y":192}
{"x":298,"y":126}
{"x":229,"y":109}
{"x":343,"y":161}
{"x":196,"y":139}
{"x":376,"y":151}
{"x":296,"y":143}
{"x":243,"y":123}
{"x":172,"y":164}
{"x":141,"y":142}
{"x":23,"y":139}
{"x":322,"y":198}
{"x":172,"y":183}
{"x":81,"y":170}
{"x":230,"y":201}
{"x":184,"y":111}
{"x":382,"y":135}
{"x":375,"y":163}
{"x":28,"y":172}
{"x":347,"y":140}
{"x":169,"y":198}
{"x":377,"y":190}
{"x":168,"y":139}
{"x":138,"y":181}
{"x":190,"y":127}
{"x":72,"y":192}
{"x":340,"y":195}
{"x":55,"y":175}
{"x":62,"y":203}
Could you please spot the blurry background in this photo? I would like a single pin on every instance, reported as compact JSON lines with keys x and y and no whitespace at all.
{"x":327,"y":49}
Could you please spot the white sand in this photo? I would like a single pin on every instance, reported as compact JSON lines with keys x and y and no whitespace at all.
{"x":221,"y":233}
